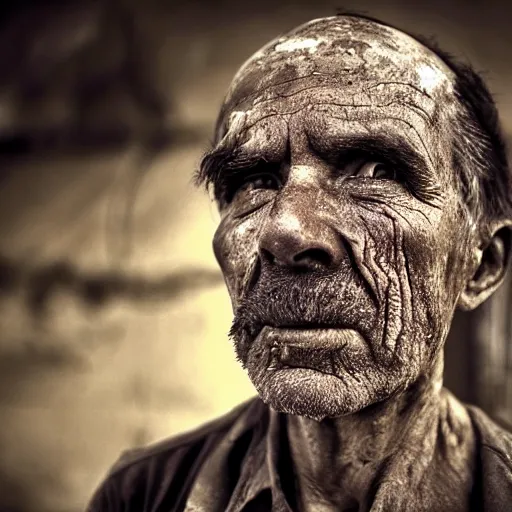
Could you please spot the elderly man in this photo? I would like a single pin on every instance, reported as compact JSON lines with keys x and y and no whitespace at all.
{"x":365,"y":194}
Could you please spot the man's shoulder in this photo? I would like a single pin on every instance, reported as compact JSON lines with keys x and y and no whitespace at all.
{"x":493,"y":436}
{"x":188,"y":440}
{"x":495,"y":461}
{"x":140,"y":473}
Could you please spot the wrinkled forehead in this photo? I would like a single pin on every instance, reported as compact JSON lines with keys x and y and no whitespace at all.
{"x":344,"y":52}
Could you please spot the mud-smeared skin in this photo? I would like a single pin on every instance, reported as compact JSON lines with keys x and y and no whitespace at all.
{"x":326,"y":243}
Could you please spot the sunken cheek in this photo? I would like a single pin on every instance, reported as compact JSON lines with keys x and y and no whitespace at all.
{"x":405,"y":250}
{"x":235,"y":245}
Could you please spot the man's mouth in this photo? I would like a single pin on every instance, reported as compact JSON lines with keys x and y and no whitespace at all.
{"x":316,"y":348}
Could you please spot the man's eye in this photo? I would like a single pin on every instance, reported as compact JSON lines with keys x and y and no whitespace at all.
{"x":377,"y":170}
{"x":257,"y":181}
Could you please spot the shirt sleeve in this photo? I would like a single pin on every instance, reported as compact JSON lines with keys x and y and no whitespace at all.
{"x":105,"y":499}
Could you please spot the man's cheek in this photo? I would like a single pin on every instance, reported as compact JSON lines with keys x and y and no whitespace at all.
{"x":235,"y":246}
{"x":404,"y":257}
{"x":432,"y":297}
{"x":434,"y":268}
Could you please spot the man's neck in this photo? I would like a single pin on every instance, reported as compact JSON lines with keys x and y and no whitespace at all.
{"x":413,"y":452}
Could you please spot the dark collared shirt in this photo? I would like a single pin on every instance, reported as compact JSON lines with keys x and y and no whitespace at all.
{"x":240,"y":463}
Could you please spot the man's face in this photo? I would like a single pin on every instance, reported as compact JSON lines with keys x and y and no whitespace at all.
{"x":343,"y":241}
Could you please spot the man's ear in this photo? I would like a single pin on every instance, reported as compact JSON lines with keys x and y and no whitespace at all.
{"x":492,"y":263}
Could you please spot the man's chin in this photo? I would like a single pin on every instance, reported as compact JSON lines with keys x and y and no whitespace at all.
{"x":310,"y":393}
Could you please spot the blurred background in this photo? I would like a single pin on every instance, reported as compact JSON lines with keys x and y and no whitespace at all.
{"x":113,"y":314}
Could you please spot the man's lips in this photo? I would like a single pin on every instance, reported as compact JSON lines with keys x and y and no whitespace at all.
{"x":327,"y":338}
{"x":315,"y":348}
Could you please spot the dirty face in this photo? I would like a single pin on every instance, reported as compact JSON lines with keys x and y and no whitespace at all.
{"x":343,"y":241}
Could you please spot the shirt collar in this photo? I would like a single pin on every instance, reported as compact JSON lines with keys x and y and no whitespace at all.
{"x":260,"y":469}
{"x":258,"y":465}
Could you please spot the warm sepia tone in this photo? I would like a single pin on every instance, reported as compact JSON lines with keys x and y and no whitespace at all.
{"x":113,"y":314}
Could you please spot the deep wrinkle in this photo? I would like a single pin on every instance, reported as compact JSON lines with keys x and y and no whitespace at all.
{"x":327,"y":139}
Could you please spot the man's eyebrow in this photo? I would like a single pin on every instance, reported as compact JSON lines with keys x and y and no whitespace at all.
{"x":414,"y":168}
{"x":221,"y":158}
{"x":394,"y":150}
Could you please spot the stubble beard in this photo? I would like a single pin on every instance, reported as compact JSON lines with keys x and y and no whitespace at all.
{"x":307,"y":381}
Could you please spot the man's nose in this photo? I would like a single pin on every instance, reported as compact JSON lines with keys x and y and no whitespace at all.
{"x":295,"y":235}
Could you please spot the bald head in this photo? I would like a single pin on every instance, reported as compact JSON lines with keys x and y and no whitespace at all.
{"x":344,"y":51}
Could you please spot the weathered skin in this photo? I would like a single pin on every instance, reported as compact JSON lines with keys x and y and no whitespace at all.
{"x":344,"y":274}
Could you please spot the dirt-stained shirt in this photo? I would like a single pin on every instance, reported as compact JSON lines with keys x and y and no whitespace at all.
{"x":241,"y":463}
